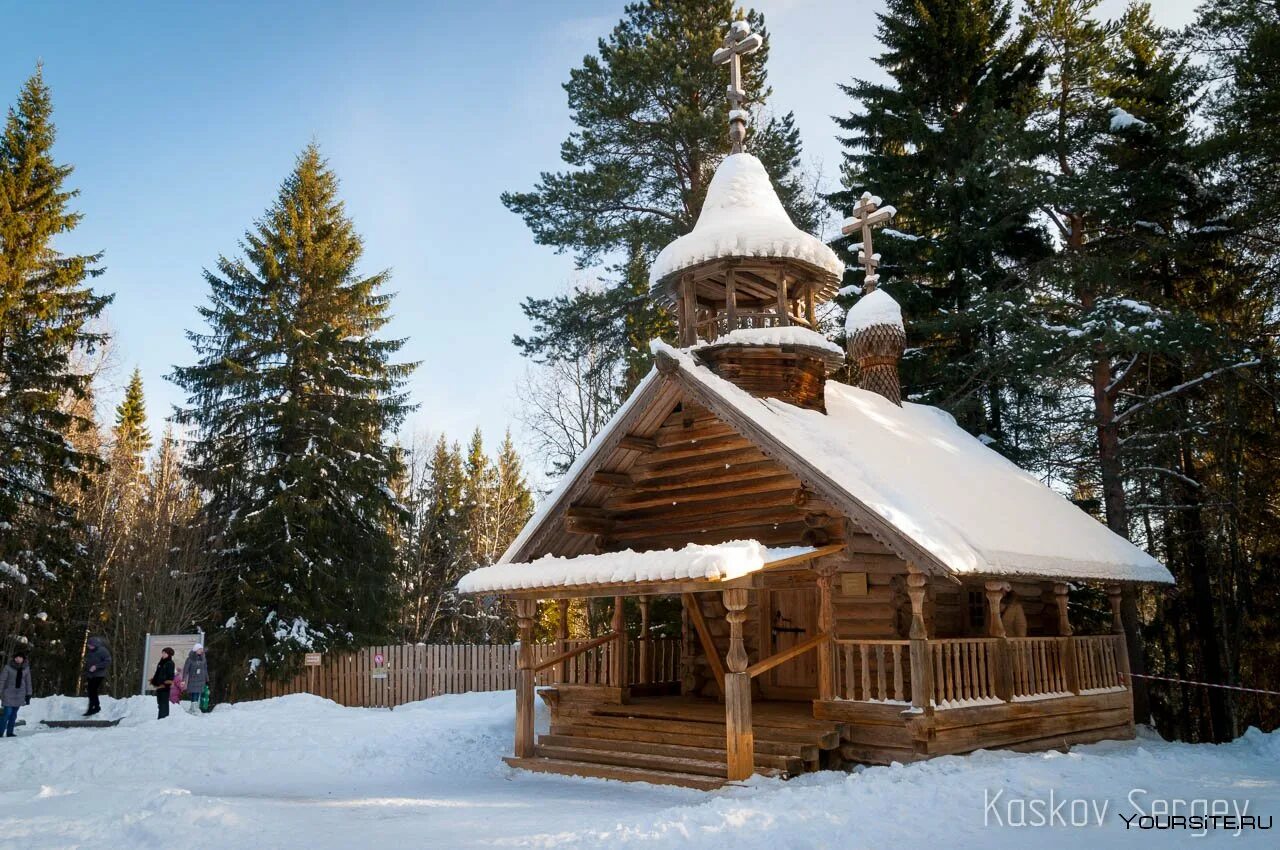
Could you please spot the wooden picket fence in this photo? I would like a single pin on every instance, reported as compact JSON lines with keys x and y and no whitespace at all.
{"x":414,"y":672}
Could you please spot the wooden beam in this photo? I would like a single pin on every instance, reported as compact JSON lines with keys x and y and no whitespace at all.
{"x":820,"y":552}
{"x":611,"y":479}
{"x":636,"y":443}
{"x":587,"y":525}
{"x":704,"y":638}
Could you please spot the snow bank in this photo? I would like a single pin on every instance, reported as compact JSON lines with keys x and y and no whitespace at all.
{"x":876,"y":308}
{"x":719,"y":562}
{"x":742,"y":217}
{"x":304,"y":772}
{"x":789,"y":335}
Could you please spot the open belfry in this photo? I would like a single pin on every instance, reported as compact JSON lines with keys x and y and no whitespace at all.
{"x":860,"y":580}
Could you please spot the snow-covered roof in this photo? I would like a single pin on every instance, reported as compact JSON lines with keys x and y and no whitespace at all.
{"x":933,"y":483}
{"x":742,"y":217}
{"x":788,"y":335}
{"x":875,"y":308}
{"x":719,"y":562}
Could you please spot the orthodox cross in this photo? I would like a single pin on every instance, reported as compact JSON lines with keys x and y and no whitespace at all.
{"x":738,"y":42}
{"x":867,"y":213}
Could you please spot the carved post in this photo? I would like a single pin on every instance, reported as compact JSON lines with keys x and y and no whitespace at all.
{"x":526,"y":613}
{"x":1117,"y":630}
{"x":826,"y":625}
{"x":646,"y":657}
{"x":995,"y":628}
{"x":618,"y":669}
{"x":1069,"y":671}
{"x":688,"y":675}
{"x":921,"y":663}
{"x":739,"y":738}
{"x":562,"y":636}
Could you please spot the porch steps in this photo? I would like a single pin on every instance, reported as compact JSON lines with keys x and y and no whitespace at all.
{"x":610,"y":771}
{"x":675,"y":741}
{"x":698,"y":756}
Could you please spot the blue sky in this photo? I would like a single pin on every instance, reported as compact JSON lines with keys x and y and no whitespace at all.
{"x":181,"y":120}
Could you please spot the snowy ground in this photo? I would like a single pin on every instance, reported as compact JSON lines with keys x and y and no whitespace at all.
{"x":303,"y":772}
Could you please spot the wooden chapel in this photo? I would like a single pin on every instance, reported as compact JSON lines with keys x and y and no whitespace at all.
{"x":861,"y":580}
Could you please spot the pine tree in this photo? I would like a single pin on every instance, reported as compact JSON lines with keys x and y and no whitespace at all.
{"x":945,"y":142}
{"x":446,"y":550}
{"x":47,"y":309}
{"x":291,"y":401}
{"x":650,"y":118}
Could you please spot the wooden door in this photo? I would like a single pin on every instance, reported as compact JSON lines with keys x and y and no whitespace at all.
{"x":793,"y":618}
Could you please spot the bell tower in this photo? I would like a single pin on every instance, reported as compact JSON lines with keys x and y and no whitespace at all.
{"x":745,"y":284}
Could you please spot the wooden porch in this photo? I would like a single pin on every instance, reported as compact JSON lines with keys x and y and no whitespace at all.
{"x":873,"y":700}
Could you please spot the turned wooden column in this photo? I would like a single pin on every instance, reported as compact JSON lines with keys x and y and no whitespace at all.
{"x":826,"y":625}
{"x":526,"y":613}
{"x":921,"y":663}
{"x":618,"y":669}
{"x":1060,"y":591}
{"x":995,"y":628}
{"x":739,"y":738}
{"x":1117,"y":630}
{"x":562,"y":636}
{"x":645,"y":674}
{"x":1070,"y":673}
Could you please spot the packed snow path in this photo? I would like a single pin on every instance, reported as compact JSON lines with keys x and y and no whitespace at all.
{"x":302,"y":772}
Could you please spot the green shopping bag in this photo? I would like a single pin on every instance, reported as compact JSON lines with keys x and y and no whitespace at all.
{"x":205,"y":700}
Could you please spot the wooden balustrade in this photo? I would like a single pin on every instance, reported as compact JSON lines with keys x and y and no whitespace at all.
{"x":970,"y":671}
{"x":873,"y":670}
{"x":1099,"y":662}
{"x":966,"y":670}
{"x":589,"y":662}
{"x":1038,"y":666}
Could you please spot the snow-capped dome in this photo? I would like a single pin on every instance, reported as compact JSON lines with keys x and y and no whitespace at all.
{"x":742,"y":217}
{"x":874,"y":308}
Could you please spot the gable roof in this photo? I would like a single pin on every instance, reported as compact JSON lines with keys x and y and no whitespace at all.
{"x":908,"y":475}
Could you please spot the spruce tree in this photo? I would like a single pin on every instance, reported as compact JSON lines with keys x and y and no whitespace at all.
{"x":650,"y":118}
{"x":291,"y":401}
{"x":131,"y":435}
{"x":945,"y":142}
{"x":47,"y":310}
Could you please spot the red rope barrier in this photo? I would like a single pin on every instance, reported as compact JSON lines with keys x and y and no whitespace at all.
{"x":1202,"y":684}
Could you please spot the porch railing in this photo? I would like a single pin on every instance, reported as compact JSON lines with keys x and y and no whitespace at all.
{"x":592,"y":661}
{"x":978,"y":671}
{"x":873,"y":670}
{"x":966,"y":671}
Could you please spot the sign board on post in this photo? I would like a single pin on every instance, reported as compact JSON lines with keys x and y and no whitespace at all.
{"x":181,"y":646}
{"x":311,"y":659}
{"x":379,"y":666}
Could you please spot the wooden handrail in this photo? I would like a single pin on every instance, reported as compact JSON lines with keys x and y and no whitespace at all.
{"x":576,"y":651}
{"x":766,"y":664}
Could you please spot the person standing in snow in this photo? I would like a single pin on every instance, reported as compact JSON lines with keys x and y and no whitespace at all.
{"x":15,"y":691}
{"x":195,"y":675}
{"x":97,"y":659}
{"x":162,"y":681}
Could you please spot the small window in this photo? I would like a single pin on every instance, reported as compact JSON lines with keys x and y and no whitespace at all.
{"x":977,"y":610}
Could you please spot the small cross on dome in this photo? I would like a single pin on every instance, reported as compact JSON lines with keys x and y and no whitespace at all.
{"x":868,"y":213}
{"x":738,"y":42}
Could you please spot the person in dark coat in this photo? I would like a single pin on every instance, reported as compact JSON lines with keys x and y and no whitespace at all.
{"x":97,"y":659}
{"x":162,"y":681}
{"x":15,"y":691}
{"x":195,"y":675}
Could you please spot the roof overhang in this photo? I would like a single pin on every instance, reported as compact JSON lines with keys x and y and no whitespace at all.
{"x":693,"y":569}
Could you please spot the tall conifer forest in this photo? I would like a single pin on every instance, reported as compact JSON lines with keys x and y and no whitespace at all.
{"x":1086,"y":250}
